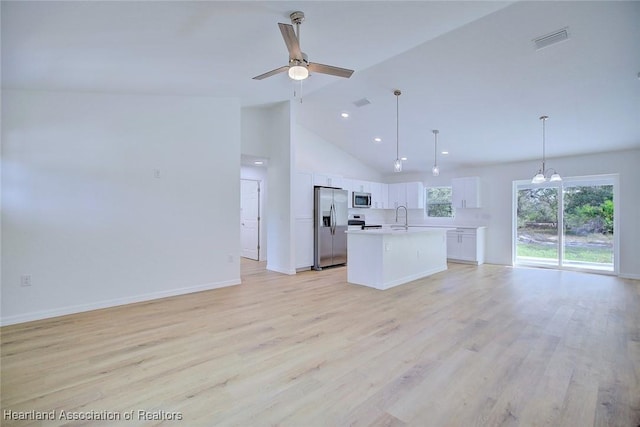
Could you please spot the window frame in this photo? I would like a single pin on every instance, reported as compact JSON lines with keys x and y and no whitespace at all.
{"x":427,"y":204}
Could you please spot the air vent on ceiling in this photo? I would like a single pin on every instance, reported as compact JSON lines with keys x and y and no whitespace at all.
{"x":361,"y":102}
{"x":552,"y":38}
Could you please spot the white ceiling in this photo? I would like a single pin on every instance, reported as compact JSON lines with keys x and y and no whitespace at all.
{"x":468,"y":69}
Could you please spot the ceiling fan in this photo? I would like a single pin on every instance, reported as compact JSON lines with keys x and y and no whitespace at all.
{"x":299,"y":65}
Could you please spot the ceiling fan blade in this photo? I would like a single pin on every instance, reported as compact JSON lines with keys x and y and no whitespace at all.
{"x":291,"y":40}
{"x":271,"y":73}
{"x":329,"y":69}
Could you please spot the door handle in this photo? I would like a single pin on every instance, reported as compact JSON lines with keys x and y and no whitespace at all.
{"x":334,"y":219}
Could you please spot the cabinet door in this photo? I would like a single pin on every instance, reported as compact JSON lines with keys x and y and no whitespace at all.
{"x":465,"y":192}
{"x":384,"y":196}
{"x":376,"y":195}
{"x":327,"y":180}
{"x":467,"y":247}
{"x":415,"y":195}
{"x":457,"y":192}
{"x":348,"y":184}
{"x":397,"y":195}
{"x":453,"y":245}
{"x":472,"y":192}
{"x":335,"y":181}
{"x":361,"y":186}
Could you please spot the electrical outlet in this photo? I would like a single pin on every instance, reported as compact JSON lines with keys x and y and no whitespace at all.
{"x":25,"y":280}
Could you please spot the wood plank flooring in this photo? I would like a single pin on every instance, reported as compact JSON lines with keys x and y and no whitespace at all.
{"x":472,"y":346}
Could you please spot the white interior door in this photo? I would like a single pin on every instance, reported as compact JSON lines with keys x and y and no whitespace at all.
{"x":250,"y":218}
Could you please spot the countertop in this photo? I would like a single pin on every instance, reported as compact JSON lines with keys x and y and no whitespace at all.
{"x":399,"y":230}
{"x":448,"y":227}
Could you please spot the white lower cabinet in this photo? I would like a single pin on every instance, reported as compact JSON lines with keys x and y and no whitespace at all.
{"x":466,"y":245}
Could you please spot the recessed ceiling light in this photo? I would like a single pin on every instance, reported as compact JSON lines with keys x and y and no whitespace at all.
{"x":344,"y":115}
{"x":404,"y":159}
{"x":377,"y":139}
{"x":445,"y":152}
{"x":258,"y":162}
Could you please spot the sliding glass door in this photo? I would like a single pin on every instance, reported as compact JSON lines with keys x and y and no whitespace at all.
{"x":537,"y":225}
{"x":570,"y":224}
{"x":589,"y":231}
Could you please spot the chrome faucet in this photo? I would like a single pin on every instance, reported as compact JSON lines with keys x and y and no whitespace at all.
{"x":406,"y":216}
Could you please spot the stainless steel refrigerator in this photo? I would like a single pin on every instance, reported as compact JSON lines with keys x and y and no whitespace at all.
{"x":330,"y":223}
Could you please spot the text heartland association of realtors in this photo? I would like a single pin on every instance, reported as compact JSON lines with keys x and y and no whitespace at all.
{"x":139,"y":415}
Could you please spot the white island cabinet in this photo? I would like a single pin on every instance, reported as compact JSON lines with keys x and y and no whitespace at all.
{"x":384,"y":258}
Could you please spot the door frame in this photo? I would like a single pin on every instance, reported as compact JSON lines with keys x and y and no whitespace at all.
{"x":259,"y":201}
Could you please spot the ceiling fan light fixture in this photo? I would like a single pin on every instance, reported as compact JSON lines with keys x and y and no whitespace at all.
{"x":298,"y":72}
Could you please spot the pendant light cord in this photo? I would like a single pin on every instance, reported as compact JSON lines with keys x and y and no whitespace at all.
{"x":397,"y":94}
{"x":435,"y":148}
{"x":544,"y":169}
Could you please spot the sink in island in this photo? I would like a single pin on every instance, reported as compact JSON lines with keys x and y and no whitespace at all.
{"x":387,"y":257}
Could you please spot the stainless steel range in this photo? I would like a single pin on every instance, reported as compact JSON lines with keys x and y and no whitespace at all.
{"x":358,"y":222}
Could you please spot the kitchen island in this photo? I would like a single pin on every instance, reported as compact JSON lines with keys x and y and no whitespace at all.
{"x":387,"y":257}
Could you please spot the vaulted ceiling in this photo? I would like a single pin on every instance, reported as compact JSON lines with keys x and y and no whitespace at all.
{"x":469,"y":69}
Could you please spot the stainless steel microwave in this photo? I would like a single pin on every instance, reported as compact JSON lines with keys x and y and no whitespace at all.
{"x":361,"y":200}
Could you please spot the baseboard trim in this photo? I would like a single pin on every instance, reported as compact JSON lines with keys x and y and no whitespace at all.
{"x":80,"y":308}
{"x":629,"y":276}
{"x":279,"y":269}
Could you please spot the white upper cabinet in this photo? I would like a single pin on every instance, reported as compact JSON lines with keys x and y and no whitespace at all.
{"x":327,"y":180}
{"x":361,"y":186}
{"x":415,"y":195}
{"x":408,"y":194}
{"x":465,"y":192}
{"x":379,"y":193}
{"x":397,"y":195}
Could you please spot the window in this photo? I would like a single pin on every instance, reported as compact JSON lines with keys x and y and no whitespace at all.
{"x":439,"y":202}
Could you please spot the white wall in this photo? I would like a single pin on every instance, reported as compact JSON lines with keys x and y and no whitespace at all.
{"x":496,"y":196}
{"x":314,"y":154}
{"x":85,"y":214}
{"x":259,"y":174}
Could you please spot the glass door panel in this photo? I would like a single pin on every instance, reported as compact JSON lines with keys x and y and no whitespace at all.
{"x":588,"y":226}
{"x":537,"y":226}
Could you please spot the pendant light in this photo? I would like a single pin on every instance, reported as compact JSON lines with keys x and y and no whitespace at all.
{"x":541,"y":176}
{"x":435,"y":170}
{"x":397,"y":163}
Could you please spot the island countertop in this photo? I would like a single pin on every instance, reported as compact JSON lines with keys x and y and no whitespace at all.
{"x":399,"y":230}
{"x":385,"y":257}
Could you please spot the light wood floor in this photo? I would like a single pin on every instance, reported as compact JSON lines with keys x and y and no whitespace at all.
{"x":484,"y":346}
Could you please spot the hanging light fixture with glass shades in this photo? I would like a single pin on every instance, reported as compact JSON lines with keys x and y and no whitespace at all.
{"x":397,"y":163}
{"x":435,"y":170}
{"x":541,"y":176}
